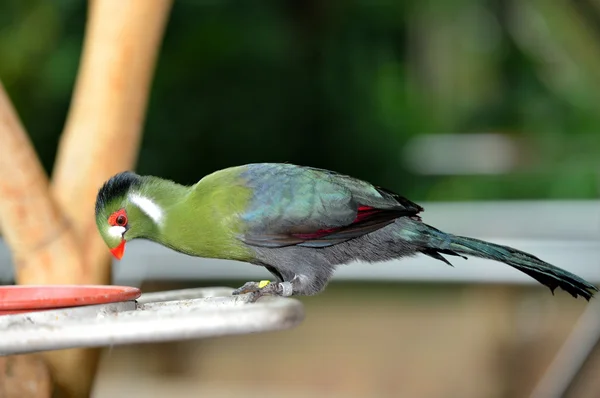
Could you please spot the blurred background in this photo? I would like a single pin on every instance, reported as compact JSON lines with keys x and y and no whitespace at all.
{"x":458,"y":105}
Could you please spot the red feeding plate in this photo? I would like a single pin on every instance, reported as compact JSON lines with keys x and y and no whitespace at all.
{"x":27,"y":298}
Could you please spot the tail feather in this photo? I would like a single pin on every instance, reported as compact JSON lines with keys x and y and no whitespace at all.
{"x":547,"y":274}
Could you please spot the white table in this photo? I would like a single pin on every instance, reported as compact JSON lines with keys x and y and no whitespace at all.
{"x":154,"y":317}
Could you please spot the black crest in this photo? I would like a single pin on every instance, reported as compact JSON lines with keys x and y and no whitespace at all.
{"x":116,"y":186}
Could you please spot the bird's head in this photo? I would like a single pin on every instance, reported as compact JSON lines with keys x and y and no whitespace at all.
{"x":123,"y":212}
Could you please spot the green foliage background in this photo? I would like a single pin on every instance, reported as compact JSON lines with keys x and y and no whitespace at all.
{"x":341,"y":85}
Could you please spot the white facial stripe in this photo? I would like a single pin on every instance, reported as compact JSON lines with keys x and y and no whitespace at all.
{"x":151,"y":209}
{"x":116,"y":231}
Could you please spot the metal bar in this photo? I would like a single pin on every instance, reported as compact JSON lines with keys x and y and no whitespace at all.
{"x":564,"y":233}
{"x":572,"y":356}
{"x":147,"y":261}
{"x":150,"y":261}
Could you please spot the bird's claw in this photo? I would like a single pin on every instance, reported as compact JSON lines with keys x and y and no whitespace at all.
{"x":248,"y":287}
{"x":259,"y":289}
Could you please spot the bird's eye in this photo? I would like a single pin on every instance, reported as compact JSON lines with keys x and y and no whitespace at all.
{"x":118,"y":218}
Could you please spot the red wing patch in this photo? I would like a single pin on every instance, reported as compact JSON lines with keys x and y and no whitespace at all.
{"x":364,"y":213}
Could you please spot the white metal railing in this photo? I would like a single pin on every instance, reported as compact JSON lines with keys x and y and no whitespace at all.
{"x":563,"y":233}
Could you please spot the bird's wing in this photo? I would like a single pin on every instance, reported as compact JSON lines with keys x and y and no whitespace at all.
{"x":294,"y":205}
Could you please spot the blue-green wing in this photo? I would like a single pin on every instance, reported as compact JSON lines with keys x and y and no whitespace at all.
{"x":294,"y":205}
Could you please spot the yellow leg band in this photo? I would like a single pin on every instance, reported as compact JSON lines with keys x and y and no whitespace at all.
{"x":262,"y":284}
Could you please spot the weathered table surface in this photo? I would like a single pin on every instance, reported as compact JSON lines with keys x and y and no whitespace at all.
{"x":154,"y":317}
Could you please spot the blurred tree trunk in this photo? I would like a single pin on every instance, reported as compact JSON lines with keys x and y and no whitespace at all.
{"x":33,"y":226}
{"x":52,"y":235}
{"x":105,"y":122}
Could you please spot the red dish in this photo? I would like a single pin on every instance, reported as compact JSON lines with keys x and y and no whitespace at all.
{"x":17,"y":299}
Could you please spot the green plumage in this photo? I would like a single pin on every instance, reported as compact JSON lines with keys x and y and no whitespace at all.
{"x":204,"y":221}
{"x":298,"y":222}
{"x":201,"y":220}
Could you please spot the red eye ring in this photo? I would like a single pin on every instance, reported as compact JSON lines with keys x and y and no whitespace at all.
{"x":118,"y":218}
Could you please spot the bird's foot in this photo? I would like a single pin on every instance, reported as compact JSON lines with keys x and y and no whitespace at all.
{"x":250,"y":287}
{"x":262,"y":288}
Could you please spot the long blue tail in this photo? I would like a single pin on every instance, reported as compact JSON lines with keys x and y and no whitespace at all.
{"x":436,"y":242}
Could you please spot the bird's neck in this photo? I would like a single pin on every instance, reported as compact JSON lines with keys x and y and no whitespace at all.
{"x":153,"y":205}
{"x":197,"y":221}
{"x":159,"y":197}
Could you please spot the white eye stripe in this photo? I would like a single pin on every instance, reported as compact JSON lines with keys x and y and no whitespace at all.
{"x":151,"y":209}
{"x":116,"y":231}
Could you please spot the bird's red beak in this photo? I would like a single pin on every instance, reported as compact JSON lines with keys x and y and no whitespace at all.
{"x":119,"y":250}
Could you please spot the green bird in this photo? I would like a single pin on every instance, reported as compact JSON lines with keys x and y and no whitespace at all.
{"x":298,"y":222}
